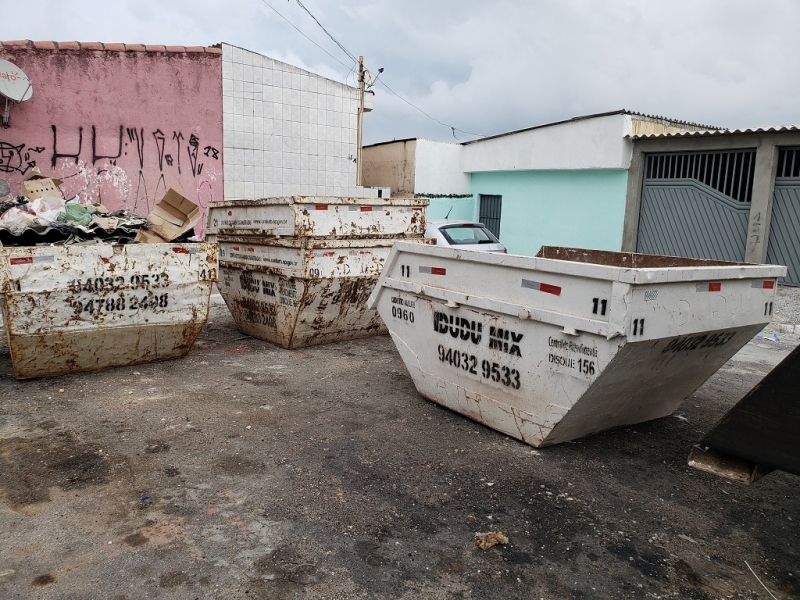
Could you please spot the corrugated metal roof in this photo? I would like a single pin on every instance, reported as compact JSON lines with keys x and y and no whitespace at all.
{"x":594,"y":116}
{"x":56,"y":46}
{"x":715,"y":133}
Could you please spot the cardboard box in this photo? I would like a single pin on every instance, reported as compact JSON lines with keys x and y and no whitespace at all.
{"x":35,"y":185}
{"x":173,"y":216}
{"x":145,"y":236}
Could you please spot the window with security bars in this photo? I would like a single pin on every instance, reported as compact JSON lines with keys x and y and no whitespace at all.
{"x":730,"y":172}
{"x":788,"y":163}
{"x":490,"y":208}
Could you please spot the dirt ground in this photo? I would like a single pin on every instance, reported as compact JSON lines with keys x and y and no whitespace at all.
{"x":248,"y":471}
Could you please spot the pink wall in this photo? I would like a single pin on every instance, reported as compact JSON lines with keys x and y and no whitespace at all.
{"x":119,"y":124}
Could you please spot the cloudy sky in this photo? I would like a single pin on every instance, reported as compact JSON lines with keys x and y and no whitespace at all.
{"x":485,"y":66}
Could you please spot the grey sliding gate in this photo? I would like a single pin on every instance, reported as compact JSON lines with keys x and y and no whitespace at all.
{"x":696,"y":204}
{"x":783,"y":247}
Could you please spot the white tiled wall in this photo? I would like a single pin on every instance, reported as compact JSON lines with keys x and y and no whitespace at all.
{"x":286,"y":131}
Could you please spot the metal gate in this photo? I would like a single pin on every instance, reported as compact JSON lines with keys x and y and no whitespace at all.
{"x":783,"y":247}
{"x":696,"y":204}
{"x":490,"y":209}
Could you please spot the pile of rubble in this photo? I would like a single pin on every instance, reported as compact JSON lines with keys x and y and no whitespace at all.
{"x":41,"y":215}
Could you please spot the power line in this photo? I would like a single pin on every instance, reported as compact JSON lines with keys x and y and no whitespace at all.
{"x":335,"y":41}
{"x":305,"y":36}
{"x":351,"y":69}
{"x":453,"y":129}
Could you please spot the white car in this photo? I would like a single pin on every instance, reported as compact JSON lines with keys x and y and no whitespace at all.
{"x":464,"y":235}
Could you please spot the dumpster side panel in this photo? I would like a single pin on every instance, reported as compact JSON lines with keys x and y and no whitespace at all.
{"x":320,"y":217}
{"x":293,"y":312}
{"x":335,"y":310}
{"x":77,"y":308}
{"x":263,"y":303}
{"x":307,"y":261}
{"x":649,"y":380}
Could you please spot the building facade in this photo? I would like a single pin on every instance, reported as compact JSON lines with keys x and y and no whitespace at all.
{"x":560,"y":184}
{"x":121,"y":124}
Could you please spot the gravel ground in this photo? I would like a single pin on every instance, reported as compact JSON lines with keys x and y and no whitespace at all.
{"x":786,"y":317}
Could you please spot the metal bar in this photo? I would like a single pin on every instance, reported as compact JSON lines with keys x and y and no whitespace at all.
{"x":724,"y":188}
{"x":739,"y":189}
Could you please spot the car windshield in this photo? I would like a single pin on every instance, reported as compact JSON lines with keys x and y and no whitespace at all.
{"x":468,"y":234}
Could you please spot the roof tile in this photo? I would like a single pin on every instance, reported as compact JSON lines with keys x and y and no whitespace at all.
{"x":111,"y":47}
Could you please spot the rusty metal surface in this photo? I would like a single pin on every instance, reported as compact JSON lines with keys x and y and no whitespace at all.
{"x":626,"y":259}
{"x":298,"y":292}
{"x":78,"y":308}
{"x":294,"y":312}
{"x":319,"y":216}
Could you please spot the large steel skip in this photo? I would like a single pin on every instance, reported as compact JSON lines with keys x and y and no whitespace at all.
{"x":84,"y":307}
{"x":572,"y":342}
{"x":319,"y":216}
{"x":297,"y":292}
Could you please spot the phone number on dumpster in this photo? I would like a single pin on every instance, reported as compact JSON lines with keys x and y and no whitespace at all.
{"x":488,"y":370}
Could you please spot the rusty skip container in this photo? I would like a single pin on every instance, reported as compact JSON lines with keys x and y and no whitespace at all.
{"x":85,"y":307}
{"x":319,"y":216}
{"x":298,"y":292}
{"x":552,"y":348}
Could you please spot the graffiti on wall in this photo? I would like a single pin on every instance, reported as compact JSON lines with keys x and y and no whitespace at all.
{"x":96,"y":162}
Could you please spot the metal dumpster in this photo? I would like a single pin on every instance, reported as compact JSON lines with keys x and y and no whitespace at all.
{"x":301,"y":292}
{"x":551,"y":348}
{"x":319,"y":216}
{"x":84,"y":307}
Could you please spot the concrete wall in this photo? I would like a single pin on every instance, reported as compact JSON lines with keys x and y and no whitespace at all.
{"x":119,"y":124}
{"x":582,"y":209}
{"x":439,"y":170}
{"x":286,"y":131}
{"x":391,"y":165}
{"x":596,"y":143}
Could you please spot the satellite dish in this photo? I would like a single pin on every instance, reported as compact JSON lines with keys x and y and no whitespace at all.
{"x":14,"y":86}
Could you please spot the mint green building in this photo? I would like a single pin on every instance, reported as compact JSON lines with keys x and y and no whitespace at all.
{"x":560,"y":184}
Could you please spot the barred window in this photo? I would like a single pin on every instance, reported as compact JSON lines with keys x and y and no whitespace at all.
{"x":730,"y":172}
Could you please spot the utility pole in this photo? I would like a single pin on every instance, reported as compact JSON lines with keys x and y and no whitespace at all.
{"x":359,"y":151}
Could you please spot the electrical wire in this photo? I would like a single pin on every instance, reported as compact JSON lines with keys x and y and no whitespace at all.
{"x":335,"y":41}
{"x":452,"y":129}
{"x":355,"y":60}
{"x":308,"y":38}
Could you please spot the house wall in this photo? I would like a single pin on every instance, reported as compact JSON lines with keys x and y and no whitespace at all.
{"x":584,"y":208}
{"x":391,"y":165}
{"x":440,"y":177}
{"x":119,"y":124}
{"x":286,"y":131}
{"x":596,"y":143}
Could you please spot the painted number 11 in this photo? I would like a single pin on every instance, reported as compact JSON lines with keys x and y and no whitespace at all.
{"x":600,"y":305}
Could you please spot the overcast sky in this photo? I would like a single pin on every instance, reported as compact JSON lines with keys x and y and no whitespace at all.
{"x":490,"y":66}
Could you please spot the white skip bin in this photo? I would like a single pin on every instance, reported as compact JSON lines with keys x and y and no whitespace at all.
{"x":85,"y":307}
{"x":302,"y":292}
{"x":551,"y":348}
{"x":319,"y":216}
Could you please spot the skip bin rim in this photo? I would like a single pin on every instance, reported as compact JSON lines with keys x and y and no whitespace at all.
{"x":631,"y":275}
{"x":331,"y":200}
